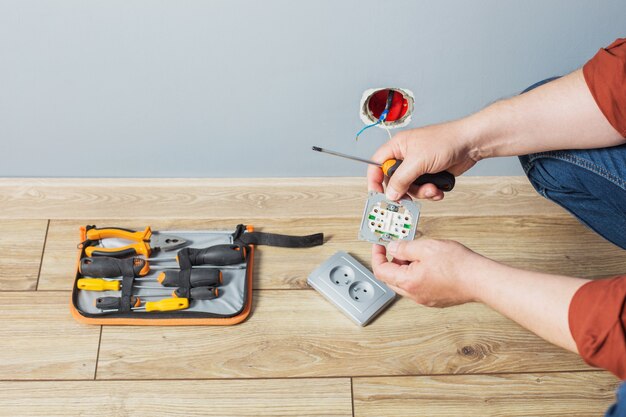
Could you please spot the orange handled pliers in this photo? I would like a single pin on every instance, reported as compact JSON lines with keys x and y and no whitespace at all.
{"x":146,"y":242}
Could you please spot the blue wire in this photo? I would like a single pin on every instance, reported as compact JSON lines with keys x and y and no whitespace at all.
{"x":367,"y":127}
{"x":382,"y":118}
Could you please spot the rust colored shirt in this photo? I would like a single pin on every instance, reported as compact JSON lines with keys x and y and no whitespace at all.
{"x":597,"y":320}
{"x":597,"y":312}
{"x":605,"y":75}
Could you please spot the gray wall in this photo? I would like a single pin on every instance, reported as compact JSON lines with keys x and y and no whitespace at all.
{"x":244,"y":88}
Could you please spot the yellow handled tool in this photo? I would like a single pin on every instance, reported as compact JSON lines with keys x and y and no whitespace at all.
{"x":146,"y":242}
{"x":97,"y":284}
{"x":167,"y":304}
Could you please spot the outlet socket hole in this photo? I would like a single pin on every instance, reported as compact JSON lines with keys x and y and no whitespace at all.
{"x":361,"y":291}
{"x":341,"y":275}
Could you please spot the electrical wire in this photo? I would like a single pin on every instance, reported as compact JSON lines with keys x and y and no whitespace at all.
{"x":382,"y":118}
{"x":387,"y":130}
{"x":367,"y":127}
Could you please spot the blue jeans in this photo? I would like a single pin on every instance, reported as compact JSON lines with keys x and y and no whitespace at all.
{"x":591,"y":185}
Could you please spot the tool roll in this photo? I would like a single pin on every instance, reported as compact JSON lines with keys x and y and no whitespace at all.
{"x":169,"y":277}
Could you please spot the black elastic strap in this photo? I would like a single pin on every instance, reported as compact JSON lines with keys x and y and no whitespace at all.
{"x":283,"y":241}
{"x":128,"y":279}
{"x":184,"y":276}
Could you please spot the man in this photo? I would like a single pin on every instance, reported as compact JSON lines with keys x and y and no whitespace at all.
{"x":570,"y":134}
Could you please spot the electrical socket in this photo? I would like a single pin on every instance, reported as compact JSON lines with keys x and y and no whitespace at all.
{"x":385,"y":220}
{"x":351,"y":287}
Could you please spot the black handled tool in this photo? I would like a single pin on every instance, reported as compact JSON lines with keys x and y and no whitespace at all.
{"x":219,"y":255}
{"x":107,"y":267}
{"x":109,"y":304}
{"x":442,"y":180}
{"x":198,"y":278}
{"x":115,"y":302}
{"x":202,"y":293}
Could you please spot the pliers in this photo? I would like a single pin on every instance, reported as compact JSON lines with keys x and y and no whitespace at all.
{"x":146,"y":242}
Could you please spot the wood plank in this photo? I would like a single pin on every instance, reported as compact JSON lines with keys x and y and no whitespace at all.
{"x":40,"y":340}
{"x":245,"y":198}
{"x":553,"y":244}
{"x":21,"y":245}
{"x":573,"y":394}
{"x":296,"y":333}
{"x":280,"y":397}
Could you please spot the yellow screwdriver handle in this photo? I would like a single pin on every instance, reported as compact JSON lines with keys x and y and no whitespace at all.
{"x":97,"y":284}
{"x":167,"y":304}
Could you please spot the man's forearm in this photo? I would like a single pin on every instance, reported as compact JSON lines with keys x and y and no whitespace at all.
{"x":559,"y":115}
{"x":539,"y":302}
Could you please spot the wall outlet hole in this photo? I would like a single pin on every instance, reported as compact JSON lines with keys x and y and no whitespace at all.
{"x":361,"y":291}
{"x":374,"y":102}
{"x":341,"y":275}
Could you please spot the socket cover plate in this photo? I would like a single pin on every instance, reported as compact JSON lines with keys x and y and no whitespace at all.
{"x":353,"y":278}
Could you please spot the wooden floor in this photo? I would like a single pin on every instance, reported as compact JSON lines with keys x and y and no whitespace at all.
{"x":296,"y":355}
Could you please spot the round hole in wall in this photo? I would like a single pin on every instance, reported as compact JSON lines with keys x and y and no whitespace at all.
{"x":400,"y":110}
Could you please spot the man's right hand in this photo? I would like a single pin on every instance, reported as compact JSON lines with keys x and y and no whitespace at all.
{"x":431,"y":149}
{"x":536,"y":121}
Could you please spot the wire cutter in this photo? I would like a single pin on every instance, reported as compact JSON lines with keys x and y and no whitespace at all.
{"x":147,"y":242}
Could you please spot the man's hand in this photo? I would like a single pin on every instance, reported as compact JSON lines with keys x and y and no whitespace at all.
{"x":536,"y":121}
{"x":431,"y":272}
{"x":423,"y":150}
{"x":442,"y":273}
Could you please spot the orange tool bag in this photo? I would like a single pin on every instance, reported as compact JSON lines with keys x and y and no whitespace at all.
{"x":169,"y":278}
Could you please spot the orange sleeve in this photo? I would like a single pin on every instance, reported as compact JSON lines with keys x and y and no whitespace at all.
{"x":597,"y":320}
{"x":605,"y":75}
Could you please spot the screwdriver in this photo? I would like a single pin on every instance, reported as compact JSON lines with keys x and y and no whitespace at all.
{"x":167,"y":304}
{"x":198,"y":278}
{"x":115,"y":302}
{"x":203,"y":293}
{"x":96,"y":284}
{"x":442,"y":180}
{"x":104,"y":303}
{"x":99,"y":284}
{"x":108,"y":267}
{"x":221,"y":255}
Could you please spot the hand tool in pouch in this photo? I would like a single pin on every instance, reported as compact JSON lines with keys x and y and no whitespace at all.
{"x":146,"y":242}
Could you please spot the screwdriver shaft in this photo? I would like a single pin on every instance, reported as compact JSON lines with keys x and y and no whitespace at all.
{"x":343,"y":155}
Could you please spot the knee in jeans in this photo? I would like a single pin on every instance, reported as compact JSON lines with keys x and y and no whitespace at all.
{"x":549,"y":174}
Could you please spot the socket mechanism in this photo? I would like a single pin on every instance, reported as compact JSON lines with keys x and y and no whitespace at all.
{"x":384,"y":220}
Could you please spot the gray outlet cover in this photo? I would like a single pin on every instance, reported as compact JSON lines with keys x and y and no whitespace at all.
{"x":351,"y":287}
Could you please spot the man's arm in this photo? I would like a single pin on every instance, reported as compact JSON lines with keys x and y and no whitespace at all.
{"x":539,"y":302}
{"x":584,"y":316}
{"x":559,"y":115}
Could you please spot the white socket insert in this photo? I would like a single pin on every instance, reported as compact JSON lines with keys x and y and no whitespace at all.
{"x":384,"y":220}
